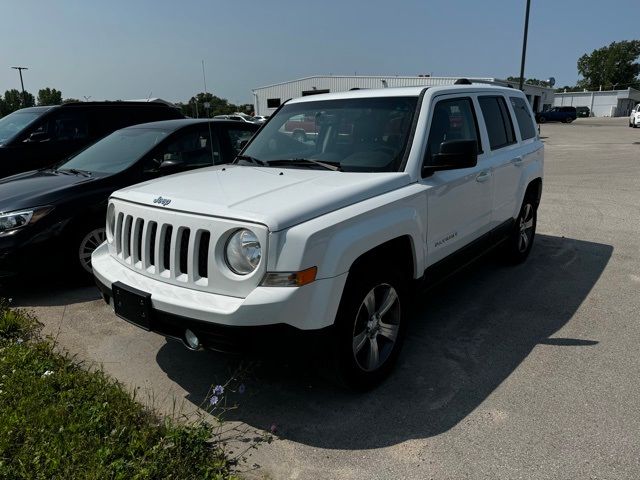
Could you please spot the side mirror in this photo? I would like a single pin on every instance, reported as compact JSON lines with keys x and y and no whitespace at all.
{"x":171,"y":162}
{"x":454,"y":154}
{"x":38,"y":137}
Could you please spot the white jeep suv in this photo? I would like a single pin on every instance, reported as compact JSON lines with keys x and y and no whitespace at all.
{"x":324,"y":236}
{"x":634,"y":118}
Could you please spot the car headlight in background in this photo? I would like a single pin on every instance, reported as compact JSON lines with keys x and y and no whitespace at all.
{"x":13,"y":221}
{"x":243,"y":252}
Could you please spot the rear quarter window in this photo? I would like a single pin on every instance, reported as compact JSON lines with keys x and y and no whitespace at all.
{"x":498,"y":121}
{"x":523,"y":117}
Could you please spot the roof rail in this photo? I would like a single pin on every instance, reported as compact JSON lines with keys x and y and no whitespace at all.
{"x":462,"y":81}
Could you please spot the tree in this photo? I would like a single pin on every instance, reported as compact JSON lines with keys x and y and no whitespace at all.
{"x":195,"y":107}
{"x":615,"y":65}
{"x":49,"y":96}
{"x":71,"y":100}
{"x":13,"y":101}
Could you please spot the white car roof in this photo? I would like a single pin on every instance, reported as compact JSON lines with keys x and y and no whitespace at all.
{"x":404,"y":92}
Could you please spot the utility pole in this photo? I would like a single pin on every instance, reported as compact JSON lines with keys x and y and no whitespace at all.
{"x":24,"y":95}
{"x":86,"y":98}
{"x":524,"y":44}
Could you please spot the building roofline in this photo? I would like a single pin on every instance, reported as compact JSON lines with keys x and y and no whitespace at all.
{"x":413,"y":77}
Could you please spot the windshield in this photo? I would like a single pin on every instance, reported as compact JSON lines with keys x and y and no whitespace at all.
{"x":355,"y":135}
{"x":15,"y":122}
{"x":116,"y":152}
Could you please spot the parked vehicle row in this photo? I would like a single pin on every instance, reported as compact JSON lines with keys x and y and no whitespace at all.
{"x":38,"y":137}
{"x":320,"y":237}
{"x":57,"y":213}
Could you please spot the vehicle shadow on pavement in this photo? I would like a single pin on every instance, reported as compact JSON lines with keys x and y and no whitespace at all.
{"x":465,"y":338}
{"x":45,"y":292}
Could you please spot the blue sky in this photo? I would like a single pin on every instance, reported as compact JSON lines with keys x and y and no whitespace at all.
{"x":120,"y":49}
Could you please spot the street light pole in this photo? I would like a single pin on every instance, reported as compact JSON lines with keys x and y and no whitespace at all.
{"x":524,"y":44}
{"x":24,"y":95}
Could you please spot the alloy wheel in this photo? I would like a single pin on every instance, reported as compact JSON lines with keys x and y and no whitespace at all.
{"x":376,"y":327}
{"x":89,"y":243}
{"x":526,"y":227}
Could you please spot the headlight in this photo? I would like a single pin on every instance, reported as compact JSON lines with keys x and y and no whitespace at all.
{"x":11,"y":221}
{"x":243,"y":252}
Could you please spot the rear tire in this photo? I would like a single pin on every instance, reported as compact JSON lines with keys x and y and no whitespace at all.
{"x":370,"y":326}
{"x":519,"y":243}
{"x":542,"y":119}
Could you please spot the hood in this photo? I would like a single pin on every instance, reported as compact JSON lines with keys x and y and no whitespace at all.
{"x":276,"y":197}
{"x":37,"y":188}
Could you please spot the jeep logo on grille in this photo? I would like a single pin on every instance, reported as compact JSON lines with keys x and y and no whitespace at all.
{"x":162,"y":201}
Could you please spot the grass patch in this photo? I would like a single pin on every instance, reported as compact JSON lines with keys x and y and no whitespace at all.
{"x":58,"y":420}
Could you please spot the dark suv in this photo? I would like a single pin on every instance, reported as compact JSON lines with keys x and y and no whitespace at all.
{"x":38,"y":137}
{"x":557,"y":114}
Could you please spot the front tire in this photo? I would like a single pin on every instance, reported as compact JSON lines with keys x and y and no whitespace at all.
{"x":519,"y":243}
{"x":369,"y":328}
{"x":86,"y":243}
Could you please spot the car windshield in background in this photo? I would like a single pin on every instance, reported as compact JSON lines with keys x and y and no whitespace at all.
{"x":354,"y":135}
{"x":116,"y":152}
{"x":14,"y":123}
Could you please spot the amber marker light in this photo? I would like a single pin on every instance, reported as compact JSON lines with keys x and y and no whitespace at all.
{"x":290,"y":279}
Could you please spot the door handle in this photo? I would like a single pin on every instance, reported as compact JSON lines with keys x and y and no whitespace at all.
{"x":517,"y":161}
{"x":483,"y":176}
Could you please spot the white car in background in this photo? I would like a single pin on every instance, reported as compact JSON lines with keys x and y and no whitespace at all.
{"x":634,"y":119}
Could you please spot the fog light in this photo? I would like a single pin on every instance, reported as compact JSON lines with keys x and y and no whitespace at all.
{"x":192,"y":341}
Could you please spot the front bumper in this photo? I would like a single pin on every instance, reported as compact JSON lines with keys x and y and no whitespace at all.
{"x":309,"y":308}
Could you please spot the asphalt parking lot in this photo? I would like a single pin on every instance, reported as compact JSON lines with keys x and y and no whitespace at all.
{"x":525,"y":372}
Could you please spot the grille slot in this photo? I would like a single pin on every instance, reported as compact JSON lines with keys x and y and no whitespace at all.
{"x":153,"y":229}
{"x":202,"y":248}
{"x":126,"y":237}
{"x":183,"y":248}
{"x":136,"y":240}
{"x":118,"y":234}
{"x":165,"y":239}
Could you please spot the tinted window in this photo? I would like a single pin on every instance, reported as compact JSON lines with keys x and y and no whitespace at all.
{"x":523,"y":116}
{"x":498,"y":121}
{"x":452,"y":120}
{"x":65,"y":125}
{"x":15,"y":122}
{"x":189,"y":149}
{"x":273,"y":102}
{"x":117,"y":151}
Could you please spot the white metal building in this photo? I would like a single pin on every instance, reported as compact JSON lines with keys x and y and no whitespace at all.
{"x":608,"y":103}
{"x":270,"y":97}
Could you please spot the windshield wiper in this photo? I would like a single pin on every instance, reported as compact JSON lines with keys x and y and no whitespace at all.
{"x":75,"y":171}
{"x":247,"y":158}
{"x":303,"y":161}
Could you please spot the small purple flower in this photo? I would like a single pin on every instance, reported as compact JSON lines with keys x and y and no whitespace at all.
{"x":273,"y":428}
{"x":218,"y":390}
{"x":213,"y":400}
{"x":241,"y":388}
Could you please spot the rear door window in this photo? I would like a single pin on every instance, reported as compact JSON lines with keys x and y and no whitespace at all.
{"x":498,"y":121}
{"x":523,"y":117}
